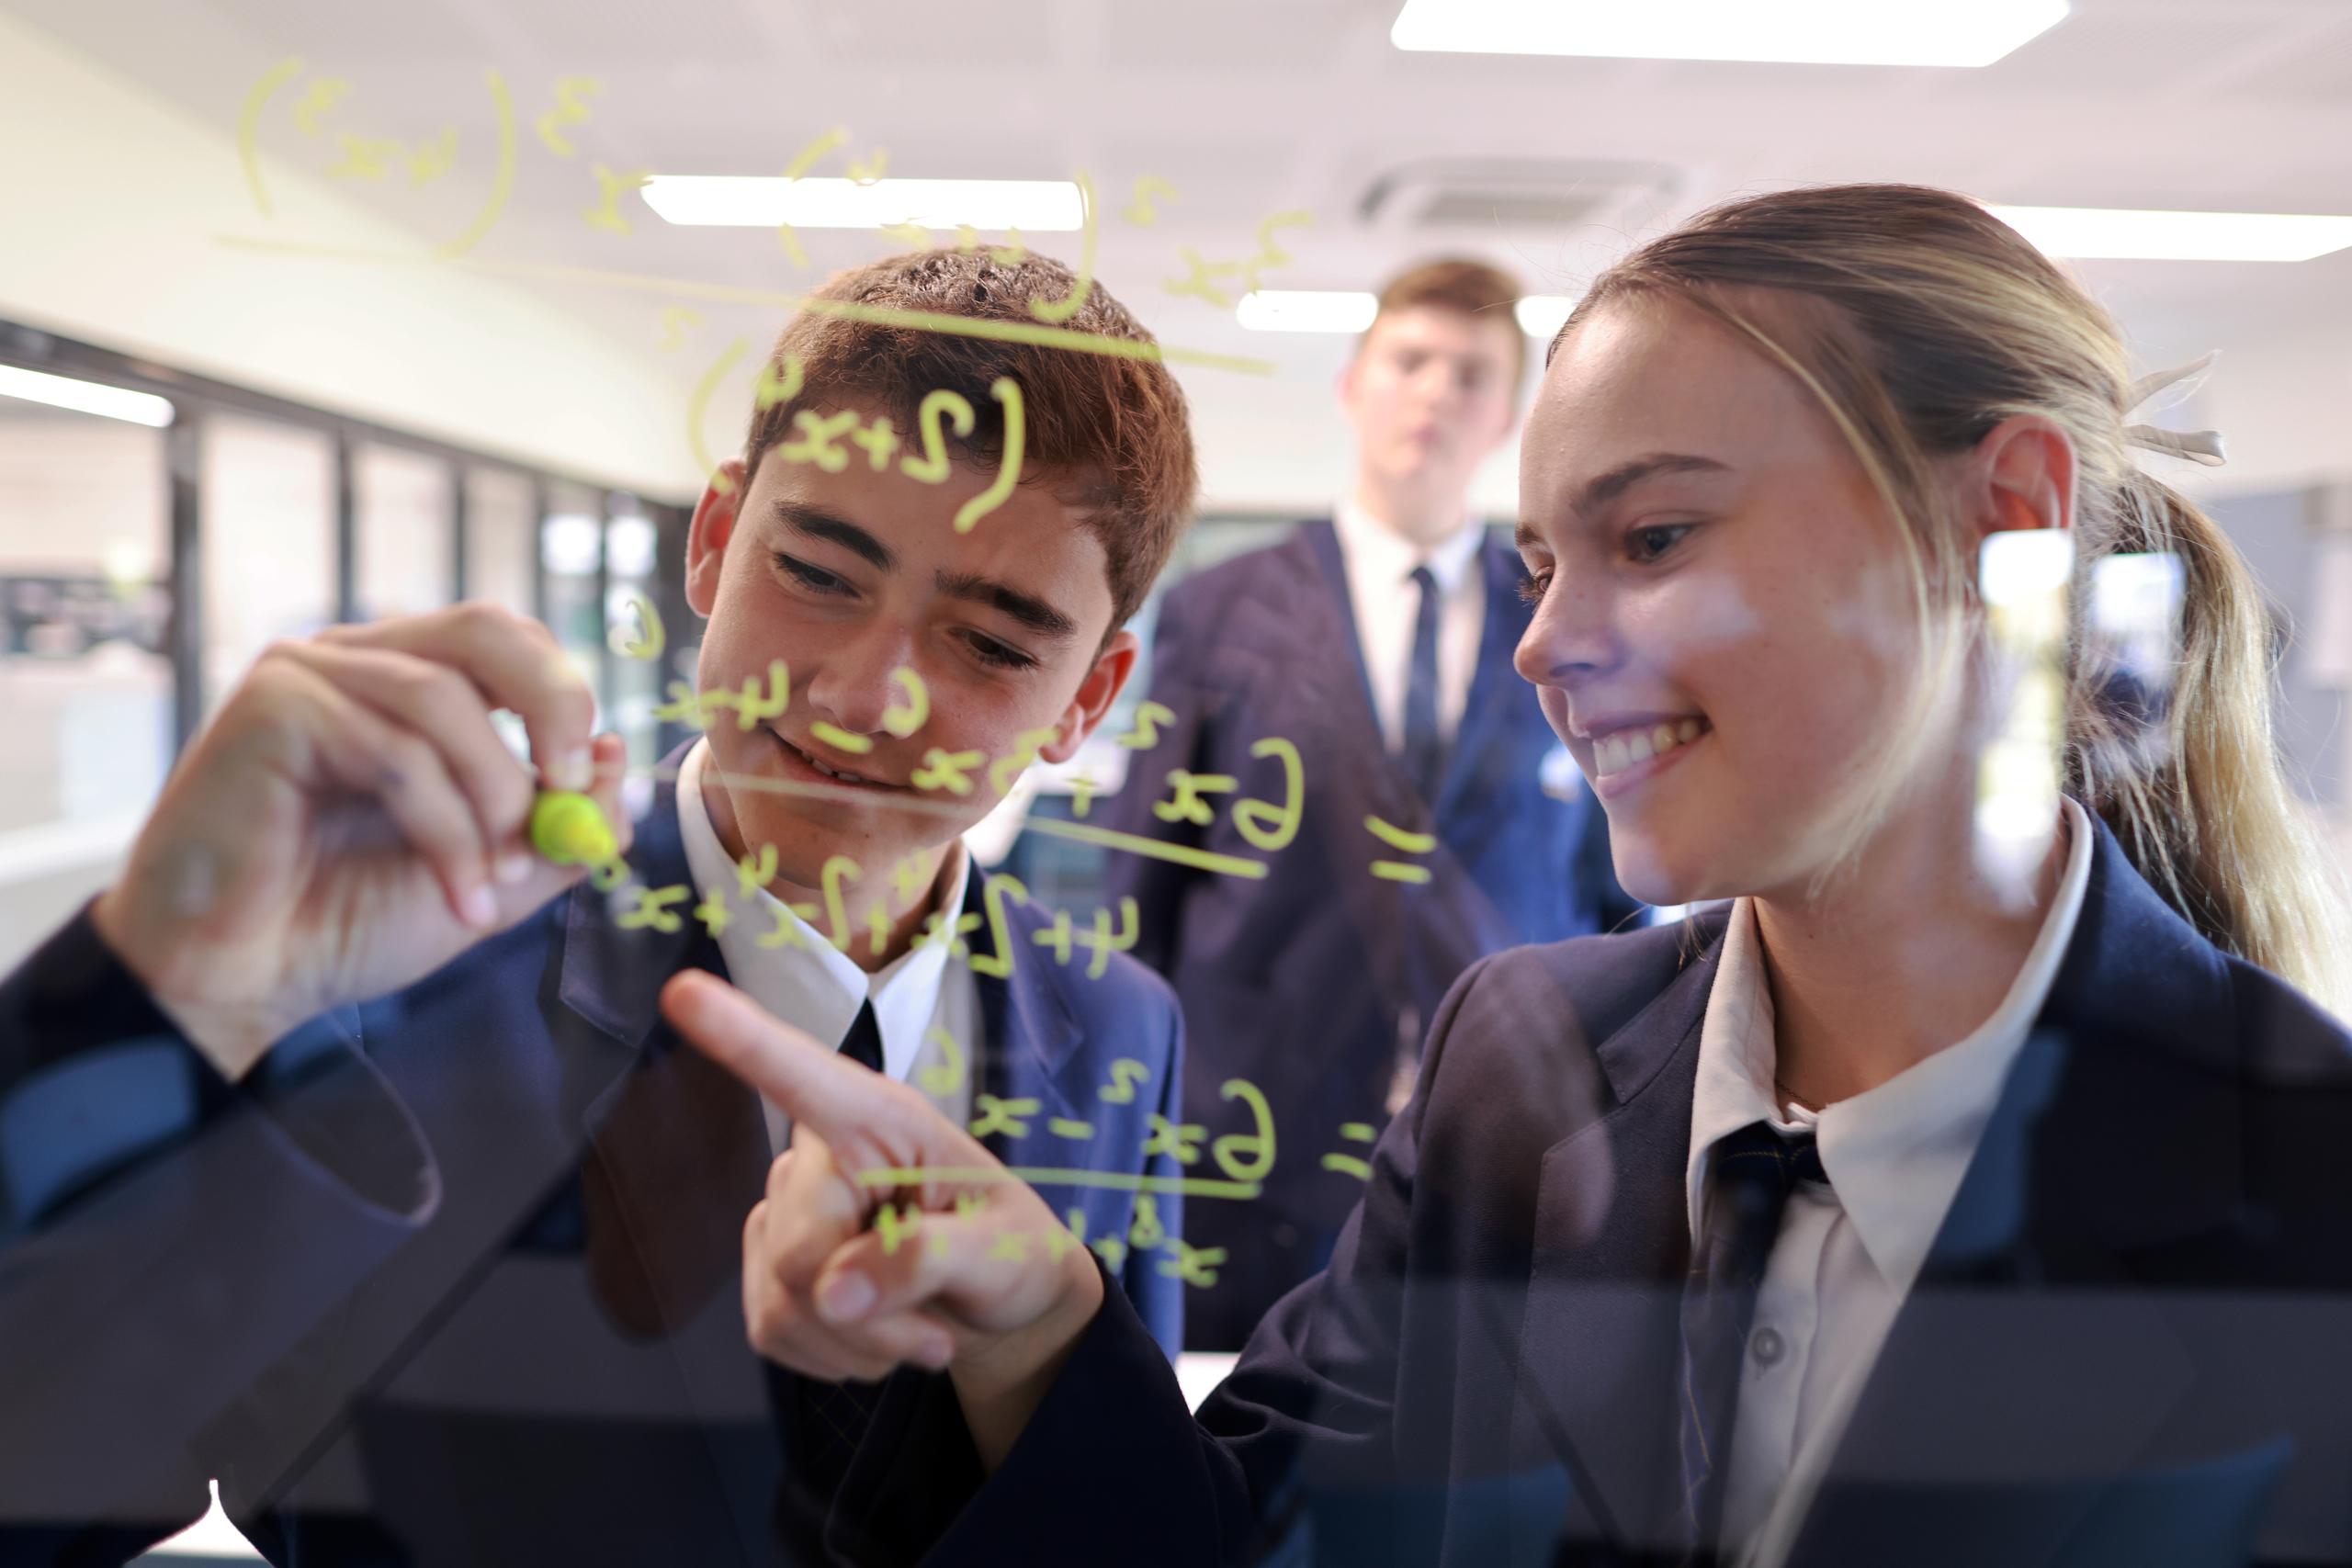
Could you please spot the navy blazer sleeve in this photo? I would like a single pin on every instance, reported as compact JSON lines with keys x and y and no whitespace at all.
{"x":1159,"y":887}
{"x":165,"y":1239}
{"x":1112,"y":1443}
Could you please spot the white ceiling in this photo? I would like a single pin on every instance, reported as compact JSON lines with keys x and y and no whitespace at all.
{"x":1251,"y":107}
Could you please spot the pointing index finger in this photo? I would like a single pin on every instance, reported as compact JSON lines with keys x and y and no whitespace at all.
{"x":837,"y":1099}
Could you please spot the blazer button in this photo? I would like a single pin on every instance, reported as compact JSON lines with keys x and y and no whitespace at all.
{"x":1767,"y":1345}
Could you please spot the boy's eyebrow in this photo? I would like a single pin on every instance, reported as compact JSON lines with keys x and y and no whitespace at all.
{"x":836,"y":530}
{"x":1605,"y":488}
{"x":1026,"y":608}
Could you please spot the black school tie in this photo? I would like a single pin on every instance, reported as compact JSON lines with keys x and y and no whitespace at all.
{"x":1423,"y":751}
{"x":1752,"y":1173}
{"x":833,"y":1415}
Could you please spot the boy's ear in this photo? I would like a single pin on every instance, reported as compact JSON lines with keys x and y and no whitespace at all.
{"x":706,"y":537}
{"x":1101,"y":688}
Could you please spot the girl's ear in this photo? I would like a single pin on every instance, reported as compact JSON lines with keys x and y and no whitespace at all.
{"x":2023,"y":476}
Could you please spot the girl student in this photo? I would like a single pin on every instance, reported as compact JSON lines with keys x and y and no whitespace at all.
{"x":1890,"y":1212}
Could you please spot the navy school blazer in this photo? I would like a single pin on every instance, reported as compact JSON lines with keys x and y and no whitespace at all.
{"x":1300,"y":981}
{"x":2132,"y":1344}
{"x":415,"y":1293}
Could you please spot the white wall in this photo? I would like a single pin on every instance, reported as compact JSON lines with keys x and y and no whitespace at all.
{"x":1279,"y":443}
{"x":111,"y":204}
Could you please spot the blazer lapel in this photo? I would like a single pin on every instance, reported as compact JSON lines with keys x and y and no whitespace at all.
{"x":1600,"y":1342}
{"x":1322,"y":546}
{"x":613,"y":978}
{"x":1496,"y":695}
{"x":678,"y":1149}
{"x":1029,"y":1047}
{"x":2032,"y":1353}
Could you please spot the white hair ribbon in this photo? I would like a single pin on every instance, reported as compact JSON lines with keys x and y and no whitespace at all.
{"x":2196,"y":445}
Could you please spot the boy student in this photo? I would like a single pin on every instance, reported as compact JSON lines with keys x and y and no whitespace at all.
{"x":343,"y":1156}
{"x":1380,"y":641}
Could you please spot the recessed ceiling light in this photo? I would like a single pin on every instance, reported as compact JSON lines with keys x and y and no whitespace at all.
{"x":762,"y":201}
{"x":86,"y":397}
{"x":2125,"y":233}
{"x":1814,"y":32}
{"x":1307,"y":310}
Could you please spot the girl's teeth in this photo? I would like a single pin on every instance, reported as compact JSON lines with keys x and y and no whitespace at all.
{"x":1615,"y":753}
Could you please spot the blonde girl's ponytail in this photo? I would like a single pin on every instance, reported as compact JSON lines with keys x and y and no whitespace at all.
{"x":2195,"y":791}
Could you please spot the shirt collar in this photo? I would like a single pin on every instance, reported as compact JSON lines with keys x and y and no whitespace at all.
{"x":805,"y":979}
{"x":1387,"y":558}
{"x":1894,"y":1156}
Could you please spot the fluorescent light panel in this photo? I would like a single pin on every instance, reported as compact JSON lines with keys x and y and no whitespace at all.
{"x":2125,"y":233}
{"x":86,"y":397}
{"x":1808,"y":32}
{"x":1038,"y":207}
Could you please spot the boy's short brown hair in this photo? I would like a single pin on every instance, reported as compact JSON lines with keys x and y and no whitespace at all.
{"x":1111,"y":431}
{"x":1473,"y":288}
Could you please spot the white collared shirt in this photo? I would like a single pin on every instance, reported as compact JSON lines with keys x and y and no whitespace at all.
{"x":1849,"y":1253}
{"x":818,"y":988}
{"x":1387,"y":603}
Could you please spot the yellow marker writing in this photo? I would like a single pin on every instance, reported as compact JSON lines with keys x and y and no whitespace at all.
{"x":568,"y":110}
{"x":1396,"y":838}
{"x":1005,"y":391}
{"x":1196,"y":279}
{"x":569,"y":829}
{"x":947,"y":771}
{"x":698,"y":407}
{"x":945,"y":1076}
{"x":773,"y":388}
{"x":1140,"y":211}
{"x":835,"y":736}
{"x":878,"y":440}
{"x":324,"y":94}
{"x":838,"y":869}
{"x":502,"y":183}
{"x":249,"y":126}
{"x":1059,"y":311}
{"x":1269,"y":254}
{"x":802,"y":161}
{"x":644,"y":641}
{"x":904,"y":720}
{"x":1071,"y":339}
{"x":930,"y":468}
{"x":364,"y":157}
{"x":610,"y":187}
{"x":1265,"y":824}
{"x":433,"y":158}
{"x":676,"y":322}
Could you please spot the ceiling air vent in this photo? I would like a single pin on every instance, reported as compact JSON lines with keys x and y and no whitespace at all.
{"x":1518,"y":196}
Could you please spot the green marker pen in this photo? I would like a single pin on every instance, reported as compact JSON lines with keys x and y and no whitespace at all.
{"x":569,"y":829}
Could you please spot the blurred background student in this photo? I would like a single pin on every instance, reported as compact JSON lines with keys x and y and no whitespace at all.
{"x":1378,"y":640}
